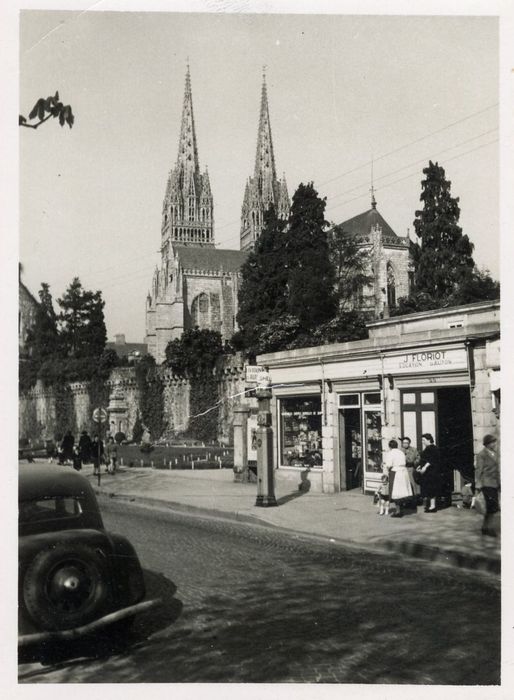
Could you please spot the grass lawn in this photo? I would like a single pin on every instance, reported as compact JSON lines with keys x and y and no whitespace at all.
{"x":179,"y":456}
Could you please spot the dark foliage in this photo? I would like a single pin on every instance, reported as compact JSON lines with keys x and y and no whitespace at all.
{"x":195,"y":352}
{"x":151,"y":389}
{"x":138,"y":429}
{"x":44,"y":109}
{"x":43,"y":338}
{"x":204,"y":409}
{"x":82,"y":324}
{"x":311,"y":276}
{"x":263,"y":295}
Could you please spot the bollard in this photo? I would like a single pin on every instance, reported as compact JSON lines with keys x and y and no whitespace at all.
{"x":176,"y":461}
{"x":121,"y":461}
{"x":192,"y":465}
{"x":141,"y":462}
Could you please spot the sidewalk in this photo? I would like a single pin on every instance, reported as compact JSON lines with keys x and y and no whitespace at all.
{"x":451,"y":536}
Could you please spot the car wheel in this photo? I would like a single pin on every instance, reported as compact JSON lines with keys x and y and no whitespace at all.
{"x":65,"y":587}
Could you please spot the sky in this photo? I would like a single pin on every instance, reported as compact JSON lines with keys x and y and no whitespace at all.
{"x":343,"y":91}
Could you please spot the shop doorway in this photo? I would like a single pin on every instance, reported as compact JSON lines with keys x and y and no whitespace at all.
{"x":455,"y":429}
{"x":445,"y":413}
{"x":350,"y":447}
{"x":360,"y":441}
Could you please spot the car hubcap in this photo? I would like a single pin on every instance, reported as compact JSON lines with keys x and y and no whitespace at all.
{"x":70,"y":587}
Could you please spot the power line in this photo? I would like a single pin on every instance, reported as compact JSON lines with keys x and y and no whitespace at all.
{"x":411,"y":143}
{"x":421,"y":160}
{"x":460,"y":155}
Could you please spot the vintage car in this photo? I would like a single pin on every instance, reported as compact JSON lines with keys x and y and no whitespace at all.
{"x":74,"y":577}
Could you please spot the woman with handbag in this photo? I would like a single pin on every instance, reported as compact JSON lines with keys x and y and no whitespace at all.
{"x":429,"y":470}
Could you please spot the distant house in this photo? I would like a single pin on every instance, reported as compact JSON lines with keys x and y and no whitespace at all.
{"x":27,"y":309}
{"x":133,"y":351}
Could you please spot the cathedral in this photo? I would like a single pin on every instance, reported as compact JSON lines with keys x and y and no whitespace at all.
{"x":197,"y":284}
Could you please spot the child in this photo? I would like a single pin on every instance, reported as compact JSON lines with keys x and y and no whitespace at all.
{"x":383,"y":496}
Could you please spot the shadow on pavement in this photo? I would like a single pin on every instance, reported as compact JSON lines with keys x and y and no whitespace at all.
{"x":116,"y":638}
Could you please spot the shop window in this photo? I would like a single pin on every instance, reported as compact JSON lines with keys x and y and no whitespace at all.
{"x":372,"y":399}
{"x":409,"y":398}
{"x":349,"y":400}
{"x":300,"y":426}
{"x":427,"y":397}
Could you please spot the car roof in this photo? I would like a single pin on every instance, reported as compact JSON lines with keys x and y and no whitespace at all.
{"x":40,"y":480}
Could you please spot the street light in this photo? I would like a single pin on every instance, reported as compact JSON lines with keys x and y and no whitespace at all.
{"x":264,"y":434}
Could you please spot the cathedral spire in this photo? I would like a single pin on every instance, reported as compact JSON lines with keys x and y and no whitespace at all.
{"x":264,"y":157}
{"x":187,"y":148}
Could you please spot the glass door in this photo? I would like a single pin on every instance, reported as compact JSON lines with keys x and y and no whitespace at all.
{"x":372,"y":447}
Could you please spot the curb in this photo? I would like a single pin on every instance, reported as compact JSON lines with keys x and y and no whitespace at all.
{"x":451,"y":557}
{"x":415,"y":550}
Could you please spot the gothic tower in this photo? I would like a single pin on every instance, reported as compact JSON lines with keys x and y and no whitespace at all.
{"x":263,"y":188}
{"x":187,"y":210}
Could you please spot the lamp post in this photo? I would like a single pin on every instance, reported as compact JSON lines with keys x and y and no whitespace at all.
{"x":265,"y":467}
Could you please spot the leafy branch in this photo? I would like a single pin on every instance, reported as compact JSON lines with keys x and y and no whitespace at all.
{"x":44,"y":109}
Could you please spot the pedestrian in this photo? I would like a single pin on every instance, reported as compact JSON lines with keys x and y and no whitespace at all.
{"x":401,"y":489}
{"x":412,"y":461}
{"x":67,"y":444}
{"x":77,"y":461}
{"x":383,"y":495}
{"x":487,"y":480}
{"x":97,"y":453}
{"x":85,"y":447}
{"x":429,"y":470}
{"x":111,"y":455}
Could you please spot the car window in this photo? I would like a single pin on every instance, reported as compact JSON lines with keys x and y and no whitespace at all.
{"x":52,"y":508}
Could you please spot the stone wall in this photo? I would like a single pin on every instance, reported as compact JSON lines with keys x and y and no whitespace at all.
{"x":41,"y":409}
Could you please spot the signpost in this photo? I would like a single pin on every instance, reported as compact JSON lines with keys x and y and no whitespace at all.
{"x":100,"y":416}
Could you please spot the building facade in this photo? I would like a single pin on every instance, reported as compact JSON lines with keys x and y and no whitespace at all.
{"x":390,"y":265}
{"x":27,"y":309}
{"x":263,"y":189}
{"x":195,"y":284}
{"x":335,"y":407}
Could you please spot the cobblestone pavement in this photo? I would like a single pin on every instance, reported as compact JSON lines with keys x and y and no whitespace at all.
{"x":250,"y":604}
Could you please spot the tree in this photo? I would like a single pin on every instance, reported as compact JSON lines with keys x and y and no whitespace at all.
{"x":51,"y":107}
{"x":195,"y":352}
{"x":43,"y":338}
{"x":311,"y":276}
{"x":263,"y":294}
{"x":445,"y":260}
{"x":82,"y":323}
{"x":352,"y":264}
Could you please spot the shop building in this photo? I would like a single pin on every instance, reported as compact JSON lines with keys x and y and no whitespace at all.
{"x":335,"y":407}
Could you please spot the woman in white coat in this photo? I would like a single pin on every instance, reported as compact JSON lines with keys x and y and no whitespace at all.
{"x":394,"y":461}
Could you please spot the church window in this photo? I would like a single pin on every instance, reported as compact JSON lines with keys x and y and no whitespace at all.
{"x":410,"y":275}
{"x":391,"y":286}
{"x":200,"y":311}
{"x":191,"y":209}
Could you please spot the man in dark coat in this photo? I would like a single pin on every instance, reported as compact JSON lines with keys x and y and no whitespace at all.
{"x":67,"y":444}
{"x":85,"y":447}
{"x":487,"y":480}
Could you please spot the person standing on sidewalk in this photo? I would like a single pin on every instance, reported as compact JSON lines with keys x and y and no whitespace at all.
{"x":412,"y":461}
{"x":111,"y":455}
{"x":97,"y":453}
{"x":429,"y":469}
{"x":487,"y":480}
{"x":401,"y":490}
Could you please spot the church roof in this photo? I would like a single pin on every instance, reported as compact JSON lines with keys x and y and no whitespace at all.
{"x":206,"y":258}
{"x":362,"y":224}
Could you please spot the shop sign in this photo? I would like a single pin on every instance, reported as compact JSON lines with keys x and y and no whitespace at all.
{"x":426,"y":360}
{"x":254,"y":374}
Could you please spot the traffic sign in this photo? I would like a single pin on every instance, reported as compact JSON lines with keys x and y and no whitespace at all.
{"x":100,"y":415}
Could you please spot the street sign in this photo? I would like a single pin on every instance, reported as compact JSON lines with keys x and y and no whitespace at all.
{"x":100,"y":415}
{"x":253,"y":374}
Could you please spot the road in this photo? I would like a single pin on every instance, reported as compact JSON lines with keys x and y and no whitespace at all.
{"x":250,"y":604}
